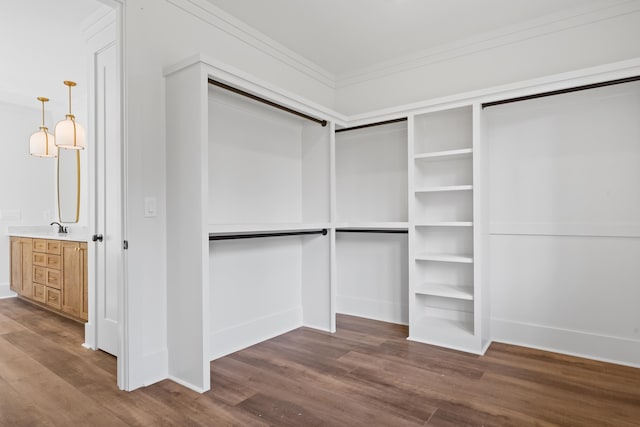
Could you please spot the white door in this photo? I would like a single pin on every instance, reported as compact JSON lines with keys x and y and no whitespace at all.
{"x":108,"y":209}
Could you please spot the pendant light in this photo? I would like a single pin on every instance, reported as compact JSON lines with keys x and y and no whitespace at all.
{"x":69,"y":134}
{"x":41,"y":143}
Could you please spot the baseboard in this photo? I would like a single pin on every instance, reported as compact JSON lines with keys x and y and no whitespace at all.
{"x":603,"y":348}
{"x":156,"y":366}
{"x":241,"y":336}
{"x":149,"y":369}
{"x":89,"y":336}
{"x":6,"y":292}
{"x":319,"y":328}
{"x":373,"y":309}
{"x":186,"y":384}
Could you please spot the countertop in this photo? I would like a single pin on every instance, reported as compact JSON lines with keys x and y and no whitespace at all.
{"x":75,"y":234}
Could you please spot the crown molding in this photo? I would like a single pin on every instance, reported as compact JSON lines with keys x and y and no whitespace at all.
{"x":248,"y":82}
{"x":216,"y":17}
{"x":97,"y":21}
{"x":584,"y":76}
{"x":512,"y":34}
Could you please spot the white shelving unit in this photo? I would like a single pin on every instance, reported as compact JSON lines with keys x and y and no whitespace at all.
{"x":444,"y":276}
{"x":236,"y":169}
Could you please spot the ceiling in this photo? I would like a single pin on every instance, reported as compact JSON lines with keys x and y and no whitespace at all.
{"x":348,"y":36}
{"x":41,"y":44}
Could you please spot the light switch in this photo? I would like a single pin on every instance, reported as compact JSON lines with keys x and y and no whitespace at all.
{"x":150,"y":207}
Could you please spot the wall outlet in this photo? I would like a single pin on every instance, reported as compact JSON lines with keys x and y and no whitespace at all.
{"x":10,"y":215}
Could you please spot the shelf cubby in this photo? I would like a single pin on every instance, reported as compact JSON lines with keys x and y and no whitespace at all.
{"x":445,"y":290}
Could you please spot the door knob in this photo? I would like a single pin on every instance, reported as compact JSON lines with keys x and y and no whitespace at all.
{"x":97,"y":238}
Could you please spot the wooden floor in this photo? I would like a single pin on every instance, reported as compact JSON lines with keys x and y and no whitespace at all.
{"x":367,"y":374}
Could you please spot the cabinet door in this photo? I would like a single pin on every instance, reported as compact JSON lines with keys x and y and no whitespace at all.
{"x":26,"y":287}
{"x":72,"y":292}
{"x":84,"y":308}
{"x":16,"y":265}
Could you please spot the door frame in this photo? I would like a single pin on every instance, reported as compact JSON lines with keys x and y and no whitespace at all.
{"x":94,"y":46}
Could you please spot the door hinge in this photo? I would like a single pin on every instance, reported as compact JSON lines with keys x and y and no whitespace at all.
{"x":126,"y":245}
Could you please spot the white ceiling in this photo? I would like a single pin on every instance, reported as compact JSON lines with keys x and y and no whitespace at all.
{"x":41,"y":45}
{"x":347,"y":36}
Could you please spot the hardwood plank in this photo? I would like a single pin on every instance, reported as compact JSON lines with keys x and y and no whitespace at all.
{"x":366,"y":374}
{"x":15,"y":410}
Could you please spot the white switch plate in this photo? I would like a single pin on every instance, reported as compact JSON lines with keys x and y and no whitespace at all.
{"x":10,"y":214}
{"x":150,"y":207}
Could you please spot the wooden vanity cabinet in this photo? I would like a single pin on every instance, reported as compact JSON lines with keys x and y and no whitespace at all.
{"x":74,"y":278}
{"x":51,"y":273}
{"x":21,"y":270}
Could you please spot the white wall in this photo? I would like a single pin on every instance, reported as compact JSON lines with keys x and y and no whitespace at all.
{"x":158,"y":34}
{"x":583,"y":42}
{"x":28,"y":183}
{"x":564,"y":200}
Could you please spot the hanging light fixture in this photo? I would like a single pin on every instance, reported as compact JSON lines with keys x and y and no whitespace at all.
{"x":69,"y":134}
{"x":41,"y":143}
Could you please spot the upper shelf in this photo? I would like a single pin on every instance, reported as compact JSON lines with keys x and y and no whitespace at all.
{"x":222,"y":229}
{"x":445,"y":188}
{"x":464,"y":153}
{"x":373,"y":225}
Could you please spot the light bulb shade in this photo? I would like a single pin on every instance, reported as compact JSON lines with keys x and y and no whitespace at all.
{"x":69,"y":134}
{"x":42,"y":144}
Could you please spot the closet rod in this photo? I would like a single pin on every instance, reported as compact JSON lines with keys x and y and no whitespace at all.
{"x":251,"y":236}
{"x":266,"y":101}
{"x":561,"y":91}
{"x":402,"y":119}
{"x":370,"y":230}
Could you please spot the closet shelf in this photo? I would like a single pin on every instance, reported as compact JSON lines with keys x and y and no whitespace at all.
{"x":467,"y":259}
{"x":438,"y":327}
{"x":223,"y":229}
{"x":464,"y":153}
{"x":445,"y":224}
{"x":446,"y":291}
{"x":445,"y":188}
{"x":373,"y":225}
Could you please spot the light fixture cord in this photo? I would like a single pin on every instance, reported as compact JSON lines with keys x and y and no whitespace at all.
{"x":42,"y":113}
{"x":69,"y":99}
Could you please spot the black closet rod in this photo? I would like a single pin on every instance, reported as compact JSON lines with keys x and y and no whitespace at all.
{"x":370,"y":230}
{"x":266,"y":101}
{"x":402,"y":119}
{"x":561,"y":91}
{"x":251,"y":236}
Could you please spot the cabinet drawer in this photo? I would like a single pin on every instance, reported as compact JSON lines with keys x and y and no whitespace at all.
{"x":39,"y":275}
{"x":53,"y":261}
{"x":53,"y":278}
{"x":53,"y":247}
{"x":52,"y":298}
{"x":38,"y":292}
{"x":39,"y":259}
{"x":39,"y":245}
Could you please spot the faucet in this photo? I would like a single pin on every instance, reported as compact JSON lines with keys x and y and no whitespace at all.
{"x":61,"y":228}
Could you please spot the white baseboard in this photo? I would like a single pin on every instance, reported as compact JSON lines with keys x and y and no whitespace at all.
{"x":6,"y":292}
{"x":89,"y":336}
{"x":604,"y":348}
{"x":373,"y":309}
{"x":186,"y":384}
{"x":241,"y":336}
{"x":156,"y":366}
{"x":149,"y":369}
